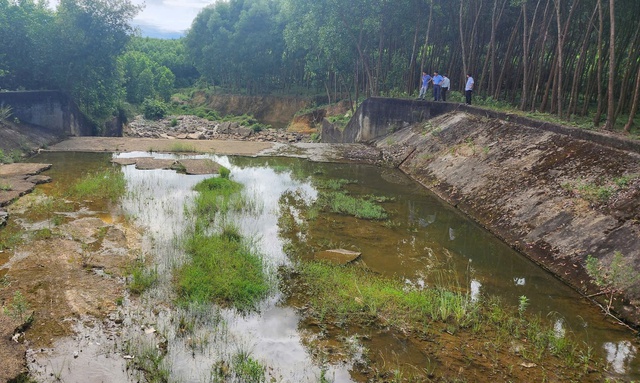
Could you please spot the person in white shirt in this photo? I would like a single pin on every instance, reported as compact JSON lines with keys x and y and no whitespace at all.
{"x":445,"y":87}
{"x":468,"y":89}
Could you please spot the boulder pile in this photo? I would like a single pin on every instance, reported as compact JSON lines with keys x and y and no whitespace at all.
{"x":196,"y":128}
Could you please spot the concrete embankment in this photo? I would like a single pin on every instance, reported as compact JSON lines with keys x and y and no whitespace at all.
{"x":555,"y":197}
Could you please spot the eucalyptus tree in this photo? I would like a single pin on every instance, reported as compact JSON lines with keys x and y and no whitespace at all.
{"x":238,"y":44}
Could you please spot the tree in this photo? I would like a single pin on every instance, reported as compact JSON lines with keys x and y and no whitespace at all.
{"x":90,"y":35}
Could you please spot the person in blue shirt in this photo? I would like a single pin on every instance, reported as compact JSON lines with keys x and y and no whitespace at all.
{"x":426,"y":79}
{"x":437,"y":84}
{"x":468,"y":88}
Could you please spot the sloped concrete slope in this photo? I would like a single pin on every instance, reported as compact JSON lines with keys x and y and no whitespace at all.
{"x":553,"y":197}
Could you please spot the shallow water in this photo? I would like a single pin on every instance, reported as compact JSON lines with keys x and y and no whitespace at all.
{"x":426,"y":235}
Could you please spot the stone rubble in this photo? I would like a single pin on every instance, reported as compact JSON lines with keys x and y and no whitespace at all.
{"x":196,"y":128}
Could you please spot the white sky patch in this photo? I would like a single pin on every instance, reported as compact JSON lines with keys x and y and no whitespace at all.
{"x":169,"y":15}
{"x":166,"y":15}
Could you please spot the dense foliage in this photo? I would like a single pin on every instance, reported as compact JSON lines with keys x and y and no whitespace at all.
{"x":73,"y":49}
{"x":566,"y":57}
{"x":563,"y":57}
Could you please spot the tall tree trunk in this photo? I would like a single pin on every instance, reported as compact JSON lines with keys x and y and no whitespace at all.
{"x":464,"y":53}
{"x":611,"y":111}
{"x":573,"y":100}
{"x":598,"y":115}
{"x":634,"y":105}
{"x":562,"y":34}
{"x":506,"y":63}
{"x":541,"y":44}
{"x":411,"y":78}
{"x":426,"y":37}
{"x":634,"y":51}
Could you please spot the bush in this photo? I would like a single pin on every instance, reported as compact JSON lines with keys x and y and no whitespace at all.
{"x":154,"y":109}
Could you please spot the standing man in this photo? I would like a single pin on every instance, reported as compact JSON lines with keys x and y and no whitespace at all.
{"x":437,"y":85}
{"x":468,"y":89}
{"x":425,"y":85}
{"x":445,"y":87}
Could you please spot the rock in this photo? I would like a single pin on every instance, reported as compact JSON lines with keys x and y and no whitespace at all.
{"x":337,"y":256}
{"x":199,"y":166}
{"x":195,"y":136}
{"x":148,"y":163}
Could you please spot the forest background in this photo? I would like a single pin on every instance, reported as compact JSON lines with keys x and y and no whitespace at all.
{"x":578,"y":60}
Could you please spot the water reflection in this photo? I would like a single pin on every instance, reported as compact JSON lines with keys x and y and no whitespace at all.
{"x":426,"y":235}
{"x":620,"y":355}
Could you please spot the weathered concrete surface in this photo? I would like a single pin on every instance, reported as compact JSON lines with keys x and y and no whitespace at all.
{"x":188,"y":166}
{"x":19,"y":179}
{"x":532,"y":188}
{"x":378,"y":117}
{"x":121,"y":144}
{"x":51,"y":110}
{"x":12,"y":353}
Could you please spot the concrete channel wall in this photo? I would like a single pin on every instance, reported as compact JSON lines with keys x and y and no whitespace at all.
{"x":377,"y":117}
{"x":523,"y":180}
{"x":51,"y":110}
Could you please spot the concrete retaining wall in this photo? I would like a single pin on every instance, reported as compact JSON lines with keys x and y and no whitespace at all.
{"x":51,"y":110}
{"x":377,"y":117}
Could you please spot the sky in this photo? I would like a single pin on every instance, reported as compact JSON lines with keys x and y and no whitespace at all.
{"x":164,"y":18}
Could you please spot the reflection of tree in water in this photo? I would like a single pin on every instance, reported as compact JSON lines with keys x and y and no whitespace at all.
{"x":620,"y":354}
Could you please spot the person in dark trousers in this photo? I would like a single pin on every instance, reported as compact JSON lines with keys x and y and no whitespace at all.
{"x":437,"y":85}
{"x":445,"y":87}
{"x":425,"y":80}
{"x":468,"y":88}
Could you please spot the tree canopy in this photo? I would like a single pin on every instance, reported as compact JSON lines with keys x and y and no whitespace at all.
{"x":566,"y":57}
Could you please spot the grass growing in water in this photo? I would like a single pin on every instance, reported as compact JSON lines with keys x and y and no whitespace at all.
{"x":342,"y":203}
{"x":180,"y":147}
{"x":350,"y":295}
{"x":105,"y":185}
{"x":223,"y":268}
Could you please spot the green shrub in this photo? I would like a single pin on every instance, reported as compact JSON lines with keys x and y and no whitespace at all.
{"x":154,"y":109}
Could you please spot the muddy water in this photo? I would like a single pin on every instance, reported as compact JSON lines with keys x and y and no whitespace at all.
{"x":427,"y":243}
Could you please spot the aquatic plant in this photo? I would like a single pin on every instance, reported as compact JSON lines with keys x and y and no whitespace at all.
{"x":223,"y":270}
{"x":614,"y":277}
{"x":222,"y":267}
{"x":141,"y":277}
{"x":342,"y":203}
{"x":18,"y":308}
{"x":349,"y":295}
{"x":107,"y":185}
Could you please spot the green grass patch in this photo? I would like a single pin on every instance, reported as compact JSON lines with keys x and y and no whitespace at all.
{"x":345,"y":295}
{"x":600,"y":191}
{"x":343,"y":203}
{"x":179,"y":147}
{"x":141,"y":278}
{"x":222,"y":267}
{"x":104,"y":185}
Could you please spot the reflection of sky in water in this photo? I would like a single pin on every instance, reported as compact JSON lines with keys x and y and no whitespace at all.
{"x":475,"y":290}
{"x":620,"y":354}
{"x":157,"y":199}
{"x":497,"y":269}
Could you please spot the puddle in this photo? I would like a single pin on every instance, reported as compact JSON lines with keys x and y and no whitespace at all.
{"x":422,"y":236}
